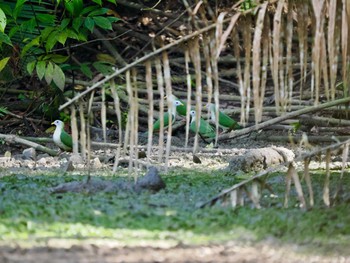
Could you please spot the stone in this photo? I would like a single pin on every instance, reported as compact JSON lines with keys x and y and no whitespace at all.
{"x":29,"y":154}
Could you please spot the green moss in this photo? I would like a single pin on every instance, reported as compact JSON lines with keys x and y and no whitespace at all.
{"x":29,"y":212}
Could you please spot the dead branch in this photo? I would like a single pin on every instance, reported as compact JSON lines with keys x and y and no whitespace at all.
{"x":235,"y":134}
{"x":15,"y":139}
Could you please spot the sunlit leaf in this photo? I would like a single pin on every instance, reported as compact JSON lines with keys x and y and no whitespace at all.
{"x":49,"y":73}
{"x":3,"y":63}
{"x":3,"y":21}
{"x":40,"y":69}
{"x":51,"y":41}
{"x":58,"y":77}
{"x":31,"y":66}
{"x":62,"y":37}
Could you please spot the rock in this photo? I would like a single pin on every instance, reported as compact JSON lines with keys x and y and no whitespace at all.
{"x":68,"y":167}
{"x":151,"y":181}
{"x":29,"y":154}
{"x":196,"y":159}
{"x":255,"y":160}
{"x":96,"y":163}
{"x":76,"y":159}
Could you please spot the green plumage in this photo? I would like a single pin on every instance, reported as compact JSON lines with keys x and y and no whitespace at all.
{"x":225,"y":121}
{"x":61,"y":138}
{"x":205,"y":129}
{"x":166,"y":116}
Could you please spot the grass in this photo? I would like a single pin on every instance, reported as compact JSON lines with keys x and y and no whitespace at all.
{"x":29,"y":213}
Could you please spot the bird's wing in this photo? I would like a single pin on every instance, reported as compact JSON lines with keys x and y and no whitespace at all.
{"x":156,"y":125}
{"x":66,"y":139}
{"x":227,"y":121}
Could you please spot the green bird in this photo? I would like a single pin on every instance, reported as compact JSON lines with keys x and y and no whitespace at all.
{"x":205,"y":129}
{"x":61,"y":138}
{"x":166,"y":116}
{"x":180,"y":109}
{"x":225,"y":121}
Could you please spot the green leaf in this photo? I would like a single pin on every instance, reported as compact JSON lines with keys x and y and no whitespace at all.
{"x":86,"y":70}
{"x":5,"y":39}
{"x":3,"y":63}
{"x":89,"y":23}
{"x":46,"y":32}
{"x":18,"y":8}
{"x":100,"y":11}
{"x":31,"y":66}
{"x":99,"y":2}
{"x":58,"y":77}
{"x":3,"y":21}
{"x":13,"y":31}
{"x":82,"y":35}
{"x":113,"y":19}
{"x":40,"y":69}
{"x":103,"y":67}
{"x":49,"y":73}
{"x":65,"y":22}
{"x":77,"y":22}
{"x":58,"y":58}
{"x":62,"y":37}
{"x":69,"y":7}
{"x":34,"y":42}
{"x":112,"y":1}
{"x":103,"y":22}
{"x":51,"y":41}
{"x":29,"y":25}
{"x":89,"y":9}
{"x":46,"y":18}
{"x":74,"y":7}
{"x":72,"y":34}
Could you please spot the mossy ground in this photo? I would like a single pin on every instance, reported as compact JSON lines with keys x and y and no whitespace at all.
{"x":29,"y":213}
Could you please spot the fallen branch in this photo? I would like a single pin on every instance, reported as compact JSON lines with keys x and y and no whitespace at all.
{"x":243,"y":183}
{"x":237,"y":133}
{"x":15,"y":139}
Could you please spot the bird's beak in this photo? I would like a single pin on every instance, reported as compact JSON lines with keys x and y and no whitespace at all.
{"x":52,"y":123}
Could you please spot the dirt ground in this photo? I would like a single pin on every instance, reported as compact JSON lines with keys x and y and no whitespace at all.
{"x":230,"y":252}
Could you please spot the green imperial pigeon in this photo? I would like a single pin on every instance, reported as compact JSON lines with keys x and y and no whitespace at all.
{"x":61,"y":138}
{"x":225,"y":121}
{"x":205,"y":129}
{"x":181,"y":109}
{"x":175,"y":104}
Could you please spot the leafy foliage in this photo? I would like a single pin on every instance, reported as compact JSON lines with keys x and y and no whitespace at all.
{"x":50,"y":26}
